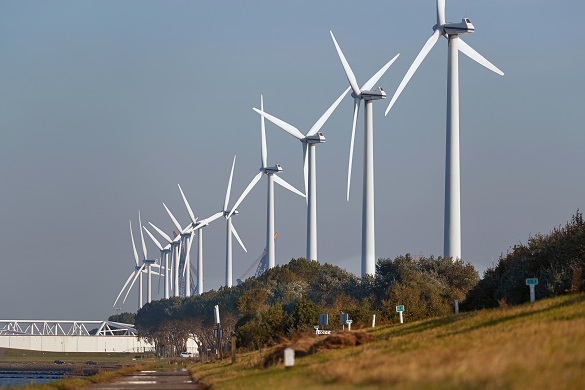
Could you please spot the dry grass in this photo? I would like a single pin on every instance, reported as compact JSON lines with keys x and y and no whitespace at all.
{"x":531,"y":346}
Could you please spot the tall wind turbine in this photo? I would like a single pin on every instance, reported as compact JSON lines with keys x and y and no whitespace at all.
{"x":136,"y":274}
{"x":230,"y":230}
{"x":192,"y":228}
{"x":270,"y":172}
{"x":171,"y":272}
{"x":451,"y":31}
{"x":368,"y":95}
{"x":309,"y":141}
{"x":164,"y":256}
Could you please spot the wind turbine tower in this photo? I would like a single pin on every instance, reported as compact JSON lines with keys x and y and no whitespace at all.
{"x":451,"y":31}
{"x":368,"y":95}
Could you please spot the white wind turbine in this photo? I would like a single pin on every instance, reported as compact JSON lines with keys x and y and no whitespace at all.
{"x":192,"y":228}
{"x":365,"y":93}
{"x":451,"y":31}
{"x":171,"y":273}
{"x":137,"y":272}
{"x":164,"y":254}
{"x":230,"y":229}
{"x":270,"y":172}
{"x":309,"y":142}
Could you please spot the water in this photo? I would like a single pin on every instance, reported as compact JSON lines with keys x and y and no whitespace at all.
{"x":21,"y":378}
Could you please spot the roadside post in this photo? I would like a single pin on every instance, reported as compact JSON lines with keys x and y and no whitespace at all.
{"x":218,"y":332}
{"x":348,"y":322}
{"x":457,"y":307}
{"x":532,"y":282}
{"x":373,"y":321}
{"x":289,"y":358}
{"x":233,"y":348}
{"x":343,"y":317}
{"x":316,"y":329}
{"x":400,"y":309}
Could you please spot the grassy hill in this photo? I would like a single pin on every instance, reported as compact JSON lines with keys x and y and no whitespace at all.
{"x":540,"y":345}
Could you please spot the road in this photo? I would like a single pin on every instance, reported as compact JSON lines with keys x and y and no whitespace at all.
{"x":144,"y":380}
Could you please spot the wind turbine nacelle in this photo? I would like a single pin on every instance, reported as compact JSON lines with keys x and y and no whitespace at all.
{"x":226,"y":213}
{"x":316,"y":139}
{"x":149,"y":261}
{"x":275,"y":169}
{"x":465,"y":27}
{"x":376,"y":94}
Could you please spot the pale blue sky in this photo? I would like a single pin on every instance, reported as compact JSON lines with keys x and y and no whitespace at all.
{"x":106,"y":105}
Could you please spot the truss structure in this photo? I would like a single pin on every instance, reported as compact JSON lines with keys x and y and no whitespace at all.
{"x":66,"y":328}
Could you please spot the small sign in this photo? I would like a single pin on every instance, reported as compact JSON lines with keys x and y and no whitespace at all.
{"x":400,"y":308}
{"x":316,"y":327}
{"x":349,"y":322}
{"x":343,"y":317}
{"x":531,"y":281}
{"x":323,"y":319}
{"x":323,"y":331}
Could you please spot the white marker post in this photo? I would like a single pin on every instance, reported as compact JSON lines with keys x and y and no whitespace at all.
{"x":400,"y":309}
{"x":531,"y":282}
{"x":289,"y":358}
{"x":349,"y":324}
{"x":373,"y":321}
{"x":456,"y":306}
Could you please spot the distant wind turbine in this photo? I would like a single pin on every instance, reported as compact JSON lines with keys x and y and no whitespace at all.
{"x":270,"y":172}
{"x":451,"y":31}
{"x":309,"y":140}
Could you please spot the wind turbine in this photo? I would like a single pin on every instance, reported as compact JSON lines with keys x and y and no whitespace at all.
{"x":309,"y":141}
{"x":451,"y":31}
{"x":171,"y":273}
{"x":230,"y":230}
{"x":137,"y":272}
{"x":270,"y":172}
{"x":196,"y":226}
{"x":164,"y":254}
{"x":368,"y":95}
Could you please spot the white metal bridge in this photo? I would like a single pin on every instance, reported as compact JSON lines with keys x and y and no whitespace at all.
{"x":66,"y":328}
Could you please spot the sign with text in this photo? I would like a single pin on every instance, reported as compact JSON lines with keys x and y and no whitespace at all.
{"x":531,"y":281}
{"x":400,"y":308}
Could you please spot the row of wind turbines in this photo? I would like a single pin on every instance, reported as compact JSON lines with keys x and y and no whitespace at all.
{"x":174,"y":263}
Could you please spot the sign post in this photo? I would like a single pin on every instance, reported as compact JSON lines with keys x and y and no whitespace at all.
{"x":400,"y":309}
{"x":348,"y":322}
{"x":456,"y":306}
{"x":531,"y":282}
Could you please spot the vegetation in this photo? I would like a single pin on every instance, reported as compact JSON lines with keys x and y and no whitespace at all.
{"x":125,"y":318}
{"x":556,"y":259}
{"x":540,"y":345}
{"x":288,"y":299}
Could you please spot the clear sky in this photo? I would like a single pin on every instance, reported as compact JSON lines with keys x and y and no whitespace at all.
{"x":106,"y":105}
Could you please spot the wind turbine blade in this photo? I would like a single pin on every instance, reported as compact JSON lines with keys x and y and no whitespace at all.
{"x":350,"y":76}
{"x":122,"y":290}
{"x":156,"y":242}
{"x":440,"y":12}
{"x":229,"y":187}
{"x":417,"y":61}
{"x":144,"y":252}
{"x":215,"y":216}
{"x":471,"y":53}
{"x":237,"y":236}
{"x":282,"y":124}
{"x":163,"y":234}
{"x":356,"y":110}
{"x":175,"y":222}
{"x":263,"y":151}
{"x":374,"y":79}
{"x":282,"y":182}
{"x":136,"y":260}
{"x":189,"y":210}
{"x":306,"y":167}
{"x":254,"y":181}
{"x":317,"y":126}
{"x":133,"y":281}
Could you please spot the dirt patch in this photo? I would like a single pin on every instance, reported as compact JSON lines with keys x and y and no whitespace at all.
{"x":309,"y":344}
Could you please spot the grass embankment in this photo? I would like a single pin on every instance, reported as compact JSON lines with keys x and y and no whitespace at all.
{"x":540,"y":345}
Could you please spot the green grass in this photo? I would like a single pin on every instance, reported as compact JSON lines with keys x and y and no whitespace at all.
{"x":540,"y":345}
